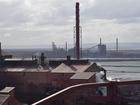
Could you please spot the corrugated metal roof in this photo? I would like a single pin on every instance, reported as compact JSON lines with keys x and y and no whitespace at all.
{"x":15,"y":69}
{"x":83,"y":75}
{"x":27,"y":70}
{"x":18,"y":59}
{"x":6,"y":90}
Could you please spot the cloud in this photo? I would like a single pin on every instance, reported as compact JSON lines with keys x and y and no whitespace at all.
{"x":132,"y":20}
{"x":38,"y":21}
{"x":109,"y":9}
{"x":53,"y":12}
{"x":7,"y":35}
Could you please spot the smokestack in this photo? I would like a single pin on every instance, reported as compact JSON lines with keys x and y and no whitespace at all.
{"x":77,"y":32}
{"x":66,"y":49}
{"x":0,"y":50}
{"x":116,"y":44}
{"x":100,"y":41}
{"x":0,"y":56}
{"x":42,"y":59}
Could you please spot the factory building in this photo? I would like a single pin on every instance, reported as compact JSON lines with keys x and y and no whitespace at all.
{"x":34,"y":83}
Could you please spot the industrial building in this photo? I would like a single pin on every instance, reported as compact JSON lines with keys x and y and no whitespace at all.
{"x":60,"y":82}
{"x":34,"y":82}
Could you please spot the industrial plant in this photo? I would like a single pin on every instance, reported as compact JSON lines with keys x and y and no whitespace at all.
{"x":42,"y":79}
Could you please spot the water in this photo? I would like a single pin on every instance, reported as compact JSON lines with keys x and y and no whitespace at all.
{"x":122,"y":70}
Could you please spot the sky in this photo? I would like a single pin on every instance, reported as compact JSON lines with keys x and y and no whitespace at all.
{"x":41,"y":22}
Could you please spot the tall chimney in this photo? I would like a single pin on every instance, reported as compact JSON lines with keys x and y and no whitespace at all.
{"x":117,"y":45}
{"x":42,"y":59}
{"x":66,"y":49}
{"x":0,"y":56}
{"x":77,"y":32}
{"x":100,"y":41}
{"x":0,"y":50}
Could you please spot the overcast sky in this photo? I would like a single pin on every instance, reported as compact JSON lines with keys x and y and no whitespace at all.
{"x":39,"y":22}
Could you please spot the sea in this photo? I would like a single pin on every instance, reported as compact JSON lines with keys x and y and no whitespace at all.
{"x":121,"y":70}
